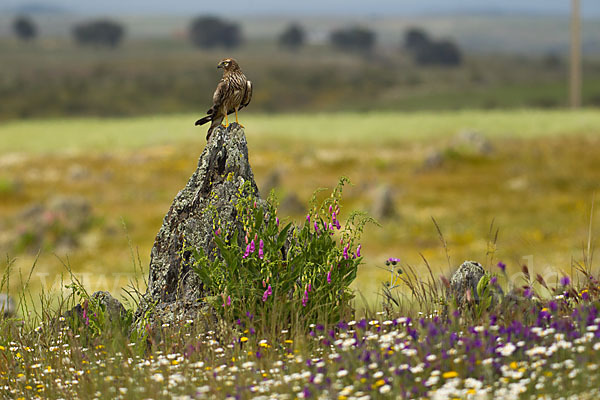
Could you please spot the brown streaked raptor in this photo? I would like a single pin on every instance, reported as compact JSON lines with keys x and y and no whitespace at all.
{"x":233,"y":93}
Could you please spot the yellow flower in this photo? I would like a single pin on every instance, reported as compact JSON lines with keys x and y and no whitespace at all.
{"x":514,"y":365}
{"x":380,"y":382}
{"x":342,"y":397}
{"x":174,"y":362}
{"x":289,"y":341}
{"x":243,"y":339}
{"x":2,"y":348}
{"x":449,"y":374}
{"x":265,"y":345}
{"x":18,"y":355}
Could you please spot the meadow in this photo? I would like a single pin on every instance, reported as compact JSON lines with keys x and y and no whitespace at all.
{"x":529,"y":173}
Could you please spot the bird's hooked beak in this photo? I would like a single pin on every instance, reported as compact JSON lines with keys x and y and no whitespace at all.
{"x":221,"y":65}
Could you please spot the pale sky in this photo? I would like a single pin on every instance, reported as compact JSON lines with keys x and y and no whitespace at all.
{"x":591,"y":8}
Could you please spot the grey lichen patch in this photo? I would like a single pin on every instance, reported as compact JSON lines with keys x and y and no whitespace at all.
{"x":174,"y":292}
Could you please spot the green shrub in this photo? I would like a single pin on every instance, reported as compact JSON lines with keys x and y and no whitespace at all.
{"x":270,"y":273}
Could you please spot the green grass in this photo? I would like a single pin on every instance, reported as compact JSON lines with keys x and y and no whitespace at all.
{"x":102,"y":134}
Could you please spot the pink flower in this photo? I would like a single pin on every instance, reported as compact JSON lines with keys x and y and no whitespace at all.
{"x":308,"y":218}
{"x":305,"y":299}
{"x":329,"y":277}
{"x":358,"y":250}
{"x":267,"y":293}
{"x":277,"y":221}
{"x":309,"y":287}
{"x":247,"y":253}
{"x":346,"y":252}
{"x":251,"y":246}
{"x":261,"y":253}
{"x":316,"y":227}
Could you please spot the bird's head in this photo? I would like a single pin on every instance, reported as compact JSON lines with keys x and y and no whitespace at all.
{"x":228,"y":65}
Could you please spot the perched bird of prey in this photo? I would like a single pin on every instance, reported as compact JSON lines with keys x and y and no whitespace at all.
{"x":233,"y":93}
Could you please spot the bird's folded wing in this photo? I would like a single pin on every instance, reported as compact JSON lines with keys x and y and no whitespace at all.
{"x":247,"y":95}
{"x":221,"y":93}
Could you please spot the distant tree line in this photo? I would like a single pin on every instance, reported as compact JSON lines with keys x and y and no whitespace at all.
{"x":209,"y":32}
{"x":24,"y":28}
{"x":100,"y":33}
{"x":426,"y":51}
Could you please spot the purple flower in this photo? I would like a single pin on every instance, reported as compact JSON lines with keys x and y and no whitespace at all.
{"x":358,"y":250}
{"x":86,"y":318}
{"x":308,"y":218}
{"x":585,"y":295}
{"x":277,"y":221}
{"x":329,"y":277}
{"x":305,"y":299}
{"x":553,"y":306}
{"x":494,"y":280}
{"x":261,"y":246}
{"x":528,"y":293}
{"x":228,"y":300}
{"x":393,"y":260}
{"x":309,"y":287}
{"x":502,"y":266}
{"x":337,"y":225}
{"x":252,"y":246}
{"x":267,"y":293}
{"x":330,"y":208}
{"x":316,"y":227}
{"x":346,"y":252}
{"x":247,"y":253}
{"x":565,"y":281}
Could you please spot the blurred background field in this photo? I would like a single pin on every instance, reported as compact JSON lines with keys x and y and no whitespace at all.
{"x":96,"y":140}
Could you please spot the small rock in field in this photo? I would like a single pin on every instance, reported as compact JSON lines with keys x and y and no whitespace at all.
{"x":466,"y":278}
{"x":383,"y":203}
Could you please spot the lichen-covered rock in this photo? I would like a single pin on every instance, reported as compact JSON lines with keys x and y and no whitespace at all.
{"x":465,"y":279}
{"x":7,"y":305}
{"x":114,"y":312}
{"x":383,"y":204}
{"x":113,"y":309}
{"x":174,"y":291}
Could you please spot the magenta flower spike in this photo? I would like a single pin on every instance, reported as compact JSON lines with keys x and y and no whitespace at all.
{"x":247,"y":253}
{"x":261,"y":246}
{"x":251,"y":246}
{"x":228,"y":300}
{"x":358,"y":250}
{"x":346,"y":252}
{"x":329,"y":277}
{"x":305,"y":299}
{"x":267,"y":293}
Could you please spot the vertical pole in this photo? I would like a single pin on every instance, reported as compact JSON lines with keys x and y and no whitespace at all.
{"x":575,"y":64}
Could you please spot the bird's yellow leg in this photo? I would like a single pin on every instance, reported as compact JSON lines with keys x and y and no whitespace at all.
{"x":226,"y":121}
{"x":236,"y":119}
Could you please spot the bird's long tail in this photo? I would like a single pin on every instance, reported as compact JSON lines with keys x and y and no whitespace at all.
{"x":204,"y":120}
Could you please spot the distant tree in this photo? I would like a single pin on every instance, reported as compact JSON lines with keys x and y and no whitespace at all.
{"x":99,"y":33}
{"x":293,"y":37}
{"x":430,"y":52}
{"x":24,"y":28}
{"x":209,"y":32}
{"x":353,"y":39}
{"x":415,"y":39}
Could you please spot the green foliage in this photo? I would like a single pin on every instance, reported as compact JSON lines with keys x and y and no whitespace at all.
{"x":299,"y":273}
{"x":484,"y":294}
